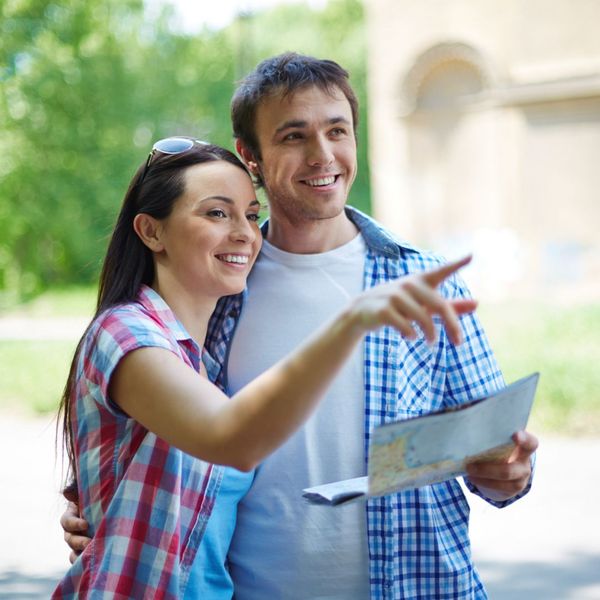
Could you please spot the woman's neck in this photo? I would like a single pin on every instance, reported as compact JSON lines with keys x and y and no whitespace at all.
{"x":192,"y":309}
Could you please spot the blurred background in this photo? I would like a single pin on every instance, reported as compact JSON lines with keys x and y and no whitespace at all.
{"x":479,"y":131}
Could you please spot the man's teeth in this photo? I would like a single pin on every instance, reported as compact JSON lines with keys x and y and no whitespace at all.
{"x":321,"y":181}
{"x":234,"y":258}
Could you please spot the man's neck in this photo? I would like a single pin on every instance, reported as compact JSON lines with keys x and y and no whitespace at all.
{"x":311,"y":236}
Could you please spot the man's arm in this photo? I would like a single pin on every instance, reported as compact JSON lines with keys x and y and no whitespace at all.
{"x":473,"y":372}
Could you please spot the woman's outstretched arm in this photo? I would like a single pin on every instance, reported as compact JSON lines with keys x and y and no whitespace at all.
{"x":170,"y":399}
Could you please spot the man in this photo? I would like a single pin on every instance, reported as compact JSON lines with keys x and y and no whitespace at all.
{"x":294,"y":120}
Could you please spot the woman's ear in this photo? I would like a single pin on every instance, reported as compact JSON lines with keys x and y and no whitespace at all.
{"x":247,"y":157}
{"x":149,"y":231}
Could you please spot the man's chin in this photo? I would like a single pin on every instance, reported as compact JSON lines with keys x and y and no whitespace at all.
{"x":327,"y":208}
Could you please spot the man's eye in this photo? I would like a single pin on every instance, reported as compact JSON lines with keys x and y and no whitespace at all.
{"x":292,"y":136}
{"x":338,"y":131}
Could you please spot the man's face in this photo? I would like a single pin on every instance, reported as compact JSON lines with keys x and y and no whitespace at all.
{"x":308,"y":153}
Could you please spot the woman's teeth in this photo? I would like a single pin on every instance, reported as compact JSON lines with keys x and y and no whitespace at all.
{"x":233,"y":258}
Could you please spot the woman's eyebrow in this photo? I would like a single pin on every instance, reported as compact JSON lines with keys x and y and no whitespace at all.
{"x":226,"y":199}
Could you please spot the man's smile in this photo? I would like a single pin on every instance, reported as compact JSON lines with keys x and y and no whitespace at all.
{"x":322,"y":181}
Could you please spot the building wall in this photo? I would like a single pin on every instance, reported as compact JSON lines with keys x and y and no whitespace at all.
{"x":485,"y":136}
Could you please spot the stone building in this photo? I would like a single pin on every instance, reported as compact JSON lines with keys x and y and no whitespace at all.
{"x":485,"y":136}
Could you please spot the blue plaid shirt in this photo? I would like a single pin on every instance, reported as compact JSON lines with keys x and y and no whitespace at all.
{"x":418,"y":539}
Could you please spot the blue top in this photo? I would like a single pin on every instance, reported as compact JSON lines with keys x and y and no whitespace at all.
{"x":209,"y":577}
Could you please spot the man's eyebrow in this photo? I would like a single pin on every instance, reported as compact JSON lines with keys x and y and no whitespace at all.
{"x":291,"y":124}
{"x":299,"y":123}
{"x":340,"y":119}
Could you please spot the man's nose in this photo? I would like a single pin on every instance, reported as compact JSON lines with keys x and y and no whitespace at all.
{"x":320,"y":152}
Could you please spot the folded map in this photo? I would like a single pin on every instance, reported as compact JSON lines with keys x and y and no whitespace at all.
{"x":436,"y":446}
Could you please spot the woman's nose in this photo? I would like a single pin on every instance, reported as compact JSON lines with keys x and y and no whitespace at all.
{"x":243,"y":231}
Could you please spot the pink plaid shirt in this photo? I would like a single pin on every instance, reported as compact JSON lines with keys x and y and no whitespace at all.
{"x":146,"y":502}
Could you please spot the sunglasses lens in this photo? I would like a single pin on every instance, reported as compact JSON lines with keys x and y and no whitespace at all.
{"x":173,"y":145}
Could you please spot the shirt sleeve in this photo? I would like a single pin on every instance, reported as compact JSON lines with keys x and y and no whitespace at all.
{"x":112,"y":336}
{"x":471,"y":369}
{"x":473,"y":372}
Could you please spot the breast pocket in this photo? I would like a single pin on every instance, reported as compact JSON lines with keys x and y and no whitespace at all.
{"x":415,"y":396}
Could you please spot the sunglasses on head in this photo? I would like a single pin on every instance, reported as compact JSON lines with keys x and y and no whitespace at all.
{"x":171,"y":145}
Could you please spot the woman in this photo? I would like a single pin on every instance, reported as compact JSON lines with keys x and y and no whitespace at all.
{"x":145,"y":428}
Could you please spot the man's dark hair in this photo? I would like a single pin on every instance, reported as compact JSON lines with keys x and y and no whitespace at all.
{"x":284,"y":74}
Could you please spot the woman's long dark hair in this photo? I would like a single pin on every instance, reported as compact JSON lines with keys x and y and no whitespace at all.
{"x":128,"y":262}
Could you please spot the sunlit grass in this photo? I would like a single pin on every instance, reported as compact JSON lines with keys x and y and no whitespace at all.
{"x":33,"y":374}
{"x":564,"y":345}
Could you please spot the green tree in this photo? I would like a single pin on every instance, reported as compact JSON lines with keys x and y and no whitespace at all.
{"x":87,"y":85}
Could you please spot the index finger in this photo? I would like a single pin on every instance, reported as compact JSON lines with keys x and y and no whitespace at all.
{"x":436,"y":276}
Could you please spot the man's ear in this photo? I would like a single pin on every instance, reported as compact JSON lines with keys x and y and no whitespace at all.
{"x":247,"y":157}
{"x":148,"y":230}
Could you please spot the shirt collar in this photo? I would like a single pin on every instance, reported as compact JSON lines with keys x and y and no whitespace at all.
{"x":154,"y":304}
{"x":378,"y":240}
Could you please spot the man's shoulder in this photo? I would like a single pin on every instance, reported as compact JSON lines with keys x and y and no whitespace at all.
{"x":388,"y":243}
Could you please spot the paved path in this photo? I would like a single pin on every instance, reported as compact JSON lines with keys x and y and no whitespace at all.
{"x":40,"y":328}
{"x":545,"y":547}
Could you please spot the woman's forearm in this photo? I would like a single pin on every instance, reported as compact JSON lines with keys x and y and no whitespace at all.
{"x":153,"y":386}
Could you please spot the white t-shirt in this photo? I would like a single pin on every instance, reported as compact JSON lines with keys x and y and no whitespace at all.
{"x":284,"y":547}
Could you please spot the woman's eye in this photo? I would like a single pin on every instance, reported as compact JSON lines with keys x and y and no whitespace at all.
{"x":254,"y":217}
{"x":217,"y":212}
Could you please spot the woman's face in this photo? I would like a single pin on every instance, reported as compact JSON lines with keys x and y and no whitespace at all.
{"x":211,"y":238}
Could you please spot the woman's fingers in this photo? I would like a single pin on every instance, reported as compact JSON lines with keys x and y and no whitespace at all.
{"x":418,"y":299}
{"x":436,"y":304}
{"x":413,"y":300}
{"x":463,"y":306}
{"x":437,"y":275}
{"x":408,"y":305}
{"x":401,"y":323}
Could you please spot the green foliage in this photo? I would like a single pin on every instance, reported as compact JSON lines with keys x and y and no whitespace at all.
{"x":87,"y":85}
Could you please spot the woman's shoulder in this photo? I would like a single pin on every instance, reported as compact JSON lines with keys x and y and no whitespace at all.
{"x":128,"y":324}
